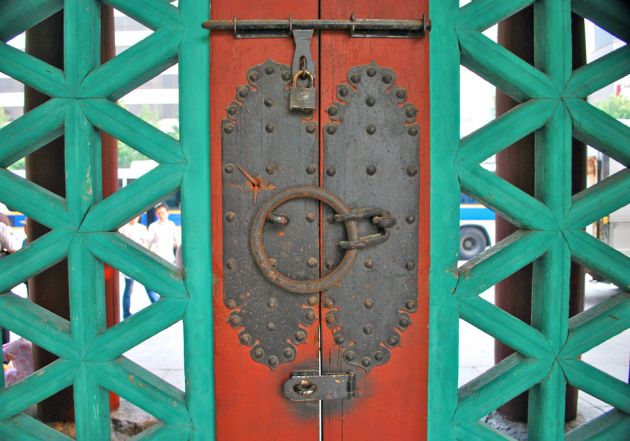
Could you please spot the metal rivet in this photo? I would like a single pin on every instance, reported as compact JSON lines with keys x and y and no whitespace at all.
{"x":331,"y":129}
{"x":392,"y":341}
{"x":288,"y":353}
{"x":369,"y":263}
{"x":268,"y":102}
{"x":273,"y":360}
{"x":254,"y":76}
{"x":229,"y":128}
{"x":370,"y":170}
{"x":410,"y":305}
{"x":378,"y":356}
{"x":246,"y":339}
{"x":232,"y":110}
{"x":370,"y":101}
{"x":332,"y":110}
{"x":330,"y":264}
{"x":401,"y":94}
{"x":311,"y":316}
{"x":229,"y":168}
{"x":271,"y":326}
{"x":269,"y":128}
{"x":366,"y":361}
{"x":330,"y":171}
{"x":312,"y":300}
{"x":343,"y":91}
{"x":258,"y":352}
{"x":330,"y":318}
{"x":230,"y":216}
{"x":413,"y":131}
{"x":243,"y":91}
{"x":410,"y":264}
{"x":310,"y":216}
{"x":312,"y":262}
{"x":311,"y":127}
{"x":231,"y":303}
{"x":312,"y":168}
{"x":271,"y":169}
{"x":387,"y":78}
{"x":329,"y":303}
{"x":269,"y":70}
{"x":367,"y":329}
{"x":230,"y":264}
{"x":371,"y":71}
{"x":300,"y":336}
{"x":371,"y":129}
{"x":355,"y":78}
{"x":410,"y":219}
{"x":349,"y":355}
{"x":412,"y":170}
{"x":404,"y":322}
{"x":368,"y":303}
{"x":286,"y":76}
{"x":235,"y":320}
{"x":410,"y":112}
{"x":272,"y":303}
{"x":340,"y":339}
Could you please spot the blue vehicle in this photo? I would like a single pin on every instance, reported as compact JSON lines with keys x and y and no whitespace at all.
{"x":476,"y":227}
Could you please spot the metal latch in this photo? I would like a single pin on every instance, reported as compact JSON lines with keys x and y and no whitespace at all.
{"x":313,"y":386}
{"x":383,"y":28}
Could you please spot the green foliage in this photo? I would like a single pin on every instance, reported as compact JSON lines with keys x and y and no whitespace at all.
{"x":174,"y":132}
{"x":616,"y":106}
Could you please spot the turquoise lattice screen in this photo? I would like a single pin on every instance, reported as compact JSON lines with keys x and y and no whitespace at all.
{"x":84,"y":224}
{"x":552,"y":105}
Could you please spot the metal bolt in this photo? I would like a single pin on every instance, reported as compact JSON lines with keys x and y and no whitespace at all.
{"x":410,"y":219}
{"x":230,"y":216}
{"x":231,"y":110}
{"x":271,"y":326}
{"x":310,"y":216}
{"x":330,"y":264}
{"x":330,"y":171}
{"x":343,"y":91}
{"x":269,"y":70}
{"x":366,"y":361}
{"x":378,"y":356}
{"x":243,"y":91}
{"x":404,"y":322}
{"x":355,"y":77}
{"x":271,"y":169}
{"x":254,"y":76}
{"x":312,"y":168}
{"x":369,"y":263}
{"x":340,"y":339}
{"x":231,"y":303}
{"x":368,"y":303}
{"x":371,"y":71}
{"x":349,"y":355}
{"x":392,"y":341}
{"x":273,"y":361}
{"x":387,"y":78}
{"x":286,"y":76}
{"x":311,"y":316}
{"x":246,"y":339}
{"x":312,"y":262}
{"x":332,"y":110}
{"x":258,"y":352}
{"x":412,"y":170}
{"x":410,"y":264}
{"x":370,"y":101}
{"x":268,"y":102}
{"x":235,"y":319}
{"x":401,"y":94}
{"x":370,"y":170}
{"x":410,"y":305}
{"x":330,"y":318}
{"x":311,"y":127}
{"x":229,"y":128}
{"x":312,"y":300}
{"x":229,"y":168}
{"x":288,"y":353}
{"x":331,"y":129}
{"x":272,"y":303}
{"x":230,"y":264}
{"x":410,"y":112}
{"x":371,"y":129}
{"x":367,"y":329}
{"x":329,"y":303}
{"x":300,"y":336}
{"x":413,"y":131}
{"x":269,"y":128}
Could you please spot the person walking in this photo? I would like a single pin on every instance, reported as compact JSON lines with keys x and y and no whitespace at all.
{"x":9,"y":243}
{"x":137,"y":232}
{"x":163,"y":235}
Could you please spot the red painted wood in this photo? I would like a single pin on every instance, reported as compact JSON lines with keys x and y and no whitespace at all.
{"x":393,"y":397}
{"x":250,"y":405}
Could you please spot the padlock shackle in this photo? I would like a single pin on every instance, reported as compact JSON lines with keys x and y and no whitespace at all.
{"x":302,"y":73}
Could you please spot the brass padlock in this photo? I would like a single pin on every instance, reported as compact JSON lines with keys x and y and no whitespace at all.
{"x":302,"y":98}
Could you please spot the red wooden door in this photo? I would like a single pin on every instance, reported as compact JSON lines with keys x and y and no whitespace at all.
{"x":391,"y":398}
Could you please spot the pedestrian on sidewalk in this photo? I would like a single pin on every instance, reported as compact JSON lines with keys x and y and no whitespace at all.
{"x":163,"y":235}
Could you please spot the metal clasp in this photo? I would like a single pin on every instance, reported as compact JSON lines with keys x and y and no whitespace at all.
{"x":313,"y":386}
{"x":382,"y":219}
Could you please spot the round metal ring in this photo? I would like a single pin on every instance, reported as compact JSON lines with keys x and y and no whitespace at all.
{"x":259,"y":254}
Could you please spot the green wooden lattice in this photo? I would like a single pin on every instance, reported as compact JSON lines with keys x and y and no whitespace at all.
{"x":552,"y":105}
{"x":84,"y":224}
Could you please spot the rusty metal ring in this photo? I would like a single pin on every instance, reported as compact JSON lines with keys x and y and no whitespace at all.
{"x":260,"y":255}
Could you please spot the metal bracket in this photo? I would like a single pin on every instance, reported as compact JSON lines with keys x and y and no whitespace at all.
{"x":302,"y":38}
{"x":312,"y":386}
